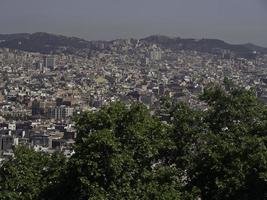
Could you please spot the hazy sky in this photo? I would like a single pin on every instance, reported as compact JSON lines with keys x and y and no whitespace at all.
{"x":236,"y":21}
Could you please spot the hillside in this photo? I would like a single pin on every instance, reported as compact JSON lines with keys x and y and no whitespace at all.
{"x":205,"y":45}
{"x":51,"y":43}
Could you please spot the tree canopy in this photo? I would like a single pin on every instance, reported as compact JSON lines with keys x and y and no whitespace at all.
{"x":178,"y":152}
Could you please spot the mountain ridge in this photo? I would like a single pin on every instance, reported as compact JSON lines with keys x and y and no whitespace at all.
{"x":43,"y":42}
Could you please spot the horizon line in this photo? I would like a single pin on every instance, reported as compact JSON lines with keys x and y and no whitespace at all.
{"x":135,"y":38}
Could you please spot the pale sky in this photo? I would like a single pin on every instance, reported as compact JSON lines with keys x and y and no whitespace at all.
{"x":235,"y":21}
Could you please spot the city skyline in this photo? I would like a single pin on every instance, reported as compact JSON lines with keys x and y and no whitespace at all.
{"x":232,"y":21}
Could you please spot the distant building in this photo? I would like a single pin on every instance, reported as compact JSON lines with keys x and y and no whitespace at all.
{"x":40,"y":140}
{"x":161,"y":89}
{"x":59,"y":101}
{"x":155,"y":55}
{"x":36,"y":108}
{"x":69,"y":111}
{"x":58,"y":144}
{"x":6,"y":142}
{"x":49,"y":62}
{"x":12,"y":126}
{"x":69,"y":135}
{"x":61,"y":112}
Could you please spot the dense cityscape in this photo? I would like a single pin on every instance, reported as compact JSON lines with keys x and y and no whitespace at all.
{"x":133,"y":100}
{"x":42,"y":93}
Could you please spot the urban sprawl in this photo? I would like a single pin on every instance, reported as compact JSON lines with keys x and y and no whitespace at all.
{"x":41,"y":93}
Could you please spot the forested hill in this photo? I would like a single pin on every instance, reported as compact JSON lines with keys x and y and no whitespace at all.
{"x":51,"y":43}
{"x":205,"y":45}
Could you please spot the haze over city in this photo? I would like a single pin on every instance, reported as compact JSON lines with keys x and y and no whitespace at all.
{"x":133,"y":99}
{"x":235,"y":21}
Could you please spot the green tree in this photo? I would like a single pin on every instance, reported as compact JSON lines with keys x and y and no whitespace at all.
{"x":125,"y":152}
{"x":228,"y":161}
{"x":29,"y":173}
{"x":119,"y":156}
{"x":237,"y":111}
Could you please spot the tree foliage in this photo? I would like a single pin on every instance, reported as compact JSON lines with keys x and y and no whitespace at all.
{"x":118,"y":156}
{"x":230,"y":156}
{"x":179,"y":152}
{"x":28,"y":174}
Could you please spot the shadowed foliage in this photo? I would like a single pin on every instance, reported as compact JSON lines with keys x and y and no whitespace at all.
{"x":125,"y":152}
